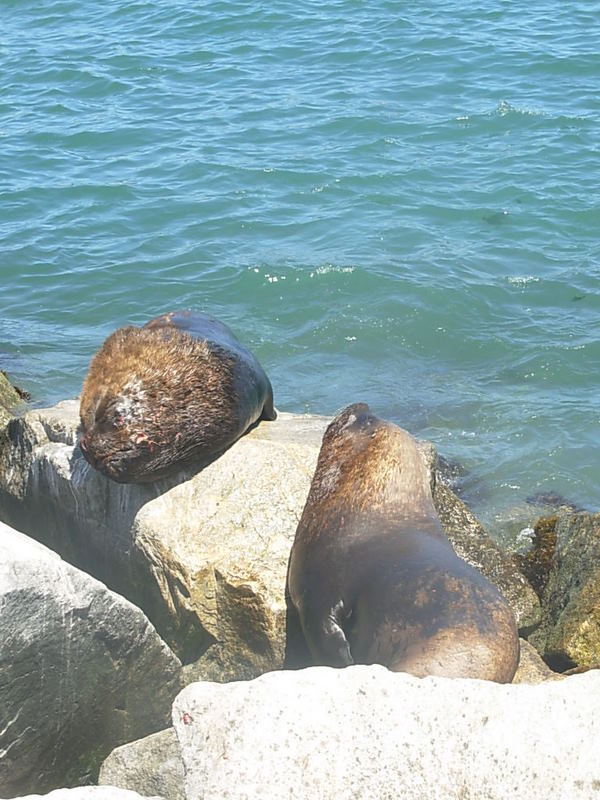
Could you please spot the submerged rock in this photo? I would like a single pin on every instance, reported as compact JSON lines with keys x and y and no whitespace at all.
{"x":553,"y":500}
{"x":81,"y":670}
{"x":205,"y":555}
{"x":367,"y":732}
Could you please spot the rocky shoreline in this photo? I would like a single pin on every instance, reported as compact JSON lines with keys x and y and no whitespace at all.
{"x":131,"y":593}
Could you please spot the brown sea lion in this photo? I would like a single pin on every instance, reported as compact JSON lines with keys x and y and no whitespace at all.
{"x":178,"y":390}
{"x":372,"y":575}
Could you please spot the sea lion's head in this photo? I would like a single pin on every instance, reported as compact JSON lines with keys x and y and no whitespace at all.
{"x":144,"y":403}
{"x":366,"y":462}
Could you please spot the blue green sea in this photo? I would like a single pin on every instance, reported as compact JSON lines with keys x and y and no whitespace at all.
{"x":396,"y":203}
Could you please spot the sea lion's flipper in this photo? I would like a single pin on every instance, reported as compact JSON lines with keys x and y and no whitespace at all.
{"x":325,"y":636}
{"x":297,"y":654}
{"x":268,"y":412}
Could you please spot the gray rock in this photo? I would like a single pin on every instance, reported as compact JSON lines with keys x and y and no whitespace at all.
{"x":205,"y":555}
{"x":365,"y":732}
{"x":570,"y":632}
{"x":149,"y":766}
{"x":89,"y":793}
{"x":81,"y":670}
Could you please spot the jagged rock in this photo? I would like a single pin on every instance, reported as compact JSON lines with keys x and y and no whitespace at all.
{"x":90,"y":793}
{"x":81,"y":670}
{"x":149,"y":766}
{"x":532,"y":668}
{"x":569,"y":635}
{"x":367,"y":732}
{"x":205,"y":555}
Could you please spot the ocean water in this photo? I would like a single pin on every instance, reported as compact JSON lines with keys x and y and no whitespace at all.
{"x":390,"y":203}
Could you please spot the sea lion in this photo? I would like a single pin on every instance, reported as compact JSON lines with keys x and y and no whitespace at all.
{"x":372,"y":575}
{"x":178,"y":390}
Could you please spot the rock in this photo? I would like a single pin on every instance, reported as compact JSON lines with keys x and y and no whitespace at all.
{"x":552,"y":500}
{"x":205,"y":555}
{"x":89,"y":793}
{"x":472,"y":543}
{"x":10,"y":398}
{"x":532,"y":668}
{"x":149,"y":766}
{"x":365,"y":732}
{"x":569,"y":635}
{"x":538,"y":560}
{"x":81,"y":670}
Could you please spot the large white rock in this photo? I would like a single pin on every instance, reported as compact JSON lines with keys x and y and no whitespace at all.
{"x":90,"y":793}
{"x":365,"y":732}
{"x":81,"y":670}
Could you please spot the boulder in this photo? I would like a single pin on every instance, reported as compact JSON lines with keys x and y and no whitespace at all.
{"x":205,"y":555}
{"x":153,"y":765}
{"x":81,"y":670}
{"x":569,"y":635}
{"x":89,"y":793}
{"x":367,"y":732}
{"x":150,"y":766}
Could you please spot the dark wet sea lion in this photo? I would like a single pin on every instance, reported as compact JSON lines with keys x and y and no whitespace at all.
{"x":177,"y":390}
{"x":372,"y":575}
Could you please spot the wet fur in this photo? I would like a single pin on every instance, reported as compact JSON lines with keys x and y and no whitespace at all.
{"x":156,"y":398}
{"x":372,"y":575}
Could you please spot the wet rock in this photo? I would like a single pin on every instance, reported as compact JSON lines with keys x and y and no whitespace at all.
{"x":150,"y":766}
{"x":569,"y":635}
{"x":537,"y":562}
{"x":10,"y":398}
{"x":205,"y":555}
{"x":367,"y":732}
{"x":451,"y":472}
{"x":81,"y":670}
